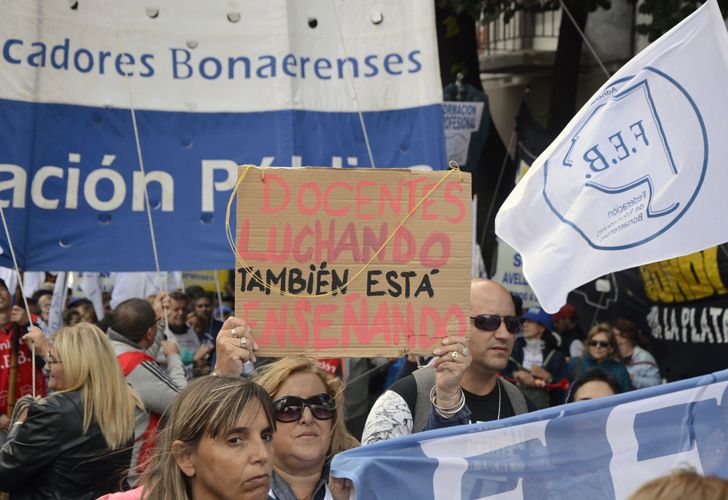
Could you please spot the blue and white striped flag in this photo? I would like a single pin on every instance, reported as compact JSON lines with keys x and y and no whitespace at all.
{"x":599,"y":449}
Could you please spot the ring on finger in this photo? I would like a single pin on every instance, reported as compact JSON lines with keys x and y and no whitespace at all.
{"x":466,"y":351}
{"x":234,"y":333}
{"x":455,"y":355}
{"x":243,"y":343}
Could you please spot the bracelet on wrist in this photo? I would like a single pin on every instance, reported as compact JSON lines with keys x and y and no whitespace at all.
{"x":450,"y":411}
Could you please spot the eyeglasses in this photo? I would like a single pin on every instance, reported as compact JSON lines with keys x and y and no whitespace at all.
{"x":290,"y":408}
{"x":491,"y":322}
{"x":600,"y":343}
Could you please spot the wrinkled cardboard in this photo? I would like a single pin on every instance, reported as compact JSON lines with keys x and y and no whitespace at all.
{"x":292,"y":220}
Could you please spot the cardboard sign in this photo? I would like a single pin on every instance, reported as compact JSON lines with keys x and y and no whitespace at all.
{"x":312,"y":281}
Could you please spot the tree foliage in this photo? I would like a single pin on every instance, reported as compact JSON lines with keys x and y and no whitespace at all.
{"x":667,"y":13}
{"x":492,"y":9}
{"x":664,"y":13}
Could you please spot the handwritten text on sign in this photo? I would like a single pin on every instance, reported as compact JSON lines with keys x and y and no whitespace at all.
{"x":307,"y":237}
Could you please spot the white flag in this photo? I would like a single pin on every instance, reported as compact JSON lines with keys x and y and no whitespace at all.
{"x":91,"y":289}
{"x":141,"y":285}
{"x":58,"y":304}
{"x":638,"y":175}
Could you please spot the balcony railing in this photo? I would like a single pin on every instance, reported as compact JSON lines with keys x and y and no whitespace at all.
{"x":524,"y":31}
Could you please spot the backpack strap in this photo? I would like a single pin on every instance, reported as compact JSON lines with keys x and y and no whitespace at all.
{"x":425,"y":380}
{"x":548,"y":357}
{"x":515,"y":396}
{"x":131,"y":359}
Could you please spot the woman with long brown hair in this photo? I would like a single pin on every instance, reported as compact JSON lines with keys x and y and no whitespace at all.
{"x":215,"y":442}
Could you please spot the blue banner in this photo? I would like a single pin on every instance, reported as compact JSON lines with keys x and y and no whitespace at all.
{"x":598,"y":449}
{"x":306,"y":85}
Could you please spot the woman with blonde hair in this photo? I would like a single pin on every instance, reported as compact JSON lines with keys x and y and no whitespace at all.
{"x":601,"y":351}
{"x":216,"y":442}
{"x":76,"y":443}
{"x":308,"y":404}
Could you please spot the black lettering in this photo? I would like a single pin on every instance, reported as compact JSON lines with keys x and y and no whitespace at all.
{"x":425,"y":286}
{"x":395,"y":289}
{"x":371,"y":281}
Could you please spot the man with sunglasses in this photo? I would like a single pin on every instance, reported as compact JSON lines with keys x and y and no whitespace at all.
{"x":462,"y":385}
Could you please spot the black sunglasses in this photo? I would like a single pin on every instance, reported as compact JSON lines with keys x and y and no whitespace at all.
{"x":290,"y":408}
{"x":491,"y":322}
{"x":601,"y":343}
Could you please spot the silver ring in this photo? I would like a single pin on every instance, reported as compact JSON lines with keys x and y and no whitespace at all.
{"x":243,"y":343}
{"x":455,"y":355}
{"x":234,"y":333}
{"x":466,"y":351}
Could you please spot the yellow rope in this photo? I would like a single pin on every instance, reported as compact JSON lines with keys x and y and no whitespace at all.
{"x":454,"y":167}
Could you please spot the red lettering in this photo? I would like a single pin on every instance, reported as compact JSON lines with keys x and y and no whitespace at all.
{"x":248,"y":307}
{"x":403,"y":235}
{"x":406,"y":326}
{"x":439,"y":329}
{"x":274,"y":325}
{"x":243,"y":244}
{"x":321,"y":323}
{"x":428,"y":202}
{"x":362,"y":201}
{"x":285,"y":247}
{"x":433,"y":239}
{"x":267,"y":190}
{"x":320,"y":244}
{"x":348,"y":243}
{"x":455,"y":200}
{"x":371,"y":243}
{"x":463,"y":322}
{"x":394,"y":203}
{"x":351,"y":321}
{"x":313,"y":187}
{"x":298,"y":242}
{"x":300,"y":340}
{"x":327,"y":198}
{"x":413,"y":199}
{"x":381,"y":324}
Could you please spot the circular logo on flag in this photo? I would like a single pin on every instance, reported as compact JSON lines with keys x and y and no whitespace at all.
{"x":632,"y":166}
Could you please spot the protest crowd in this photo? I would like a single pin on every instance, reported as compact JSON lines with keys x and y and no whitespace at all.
{"x":365,"y":349}
{"x":162,"y":399}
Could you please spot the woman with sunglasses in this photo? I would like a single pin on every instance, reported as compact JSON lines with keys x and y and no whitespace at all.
{"x":76,"y":443}
{"x":601,"y":351}
{"x":308,"y":405}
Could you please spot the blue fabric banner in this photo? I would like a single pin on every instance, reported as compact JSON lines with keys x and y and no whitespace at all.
{"x":304,"y":85}
{"x":598,"y":449}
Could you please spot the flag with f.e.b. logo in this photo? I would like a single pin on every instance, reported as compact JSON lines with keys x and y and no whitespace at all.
{"x":638,"y":175}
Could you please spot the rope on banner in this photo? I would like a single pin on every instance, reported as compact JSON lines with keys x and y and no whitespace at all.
{"x":454,"y":167}
{"x":147,"y":205}
{"x":22,"y":291}
{"x":353,"y":88}
{"x":493,"y":199}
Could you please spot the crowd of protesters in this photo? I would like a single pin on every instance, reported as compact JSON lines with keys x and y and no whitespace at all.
{"x":165,"y":395}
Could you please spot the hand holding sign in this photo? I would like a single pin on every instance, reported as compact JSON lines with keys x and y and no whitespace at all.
{"x":234,"y":346}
